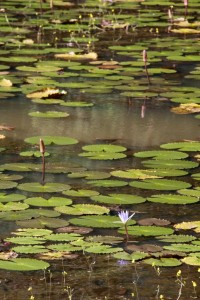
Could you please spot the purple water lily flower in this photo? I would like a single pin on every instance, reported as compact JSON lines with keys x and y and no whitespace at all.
{"x":123,"y":215}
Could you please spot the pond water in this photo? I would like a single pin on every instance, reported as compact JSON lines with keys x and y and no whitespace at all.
{"x":114,"y":95}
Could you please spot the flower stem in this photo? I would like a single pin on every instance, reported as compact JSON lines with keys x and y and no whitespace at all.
{"x":43,"y":168}
{"x":126,"y":230}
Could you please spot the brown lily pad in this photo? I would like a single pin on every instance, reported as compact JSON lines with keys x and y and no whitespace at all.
{"x":75,"y":229}
{"x":144,"y":248}
{"x":153,"y":221}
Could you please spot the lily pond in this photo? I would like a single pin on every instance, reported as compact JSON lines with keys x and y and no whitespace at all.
{"x":100,"y":149}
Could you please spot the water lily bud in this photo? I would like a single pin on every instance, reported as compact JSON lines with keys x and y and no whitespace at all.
{"x":42,"y":146}
{"x":185,"y":2}
{"x":144,"y":56}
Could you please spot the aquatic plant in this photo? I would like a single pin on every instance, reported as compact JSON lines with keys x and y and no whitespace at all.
{"x":124,"y":217}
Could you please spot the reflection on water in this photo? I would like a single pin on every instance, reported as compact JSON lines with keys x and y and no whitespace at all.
{"x":132,"y":125}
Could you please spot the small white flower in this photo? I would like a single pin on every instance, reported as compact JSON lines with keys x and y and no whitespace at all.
{"x":123,"y":215}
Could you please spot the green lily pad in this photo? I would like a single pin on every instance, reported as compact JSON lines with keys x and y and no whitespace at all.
{"x":102,"y":155}
{"x":170,"y":164}
{"x":190,"y":192}
{"x":26,"y":240}
{"x":82,"y":209}
{"x":191,"y":260}
{"x":50,"y":187}
{"x":161,"y":154}
{"x":145,"y":174}
{"x":183,"y":146}
{"x":183,"y":247}
{"x":43,"y":222}
{"x":23,"y":264}
{"x":132,"y":257}
{"x":48,"y":114}
{"x":58,"y":140}
{"x":108,"y":183}
{"x":102,"y":249}
{"x":19,"y":215}
{"x":172,"y":199}
{"x":63,"y":237}
{"x":10,"y":177}
{"x":5,"y":185}
{"x":33,"y":153}
{"x":98,"y":221}
{"x":64,"y":247}
{"x":77,"y":104}
{"x":104,"y":148}
{"x":147,"y":230}
{"x":13,"y":206}
{"x":51,"y":202}
{"x":32,"y":232}
{"x":163,"y":262}
{"x":119,"y":199}
{"x":105,"y":239}
{"x":11,"y":197}
{"x":30,"y":249}
{"x":174,"y":238}
{"x":80,"y":193}
{"x":160,"y":184}
{"x":90,"y":175}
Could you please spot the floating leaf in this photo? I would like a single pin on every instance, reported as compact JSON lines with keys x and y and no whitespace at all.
{"x":104,"y":148}
{"x":145,"y":174}
{"x":90,"y":175}
{"x":32,"y":232}
{"x":26,"y":240}
{"x":188,"y":225}
{"x":49,"y":114}
{"x":82,"y":209}
{"x":77,"y":104}
{"x":119,"y":199}
{"x":132,"y":257}
{"x":51,"y":202}
{"x":183,"y":146}
{"x":148,"y":230}
{"x":50,"y":187}
{"x":172,"y":199}
{"x":170,"y":164}
{"x":103,"y":155}
{"x":108,"y":183}
{"x":183,"y":247}
{"x":11,"y":197}
{"x":33,"y":153}
{"x":153,"y":221}
{"x":134,"y":174}
{"x":190,"y":192}
{"x":163,"y":262}
{"x":80,"y":193}
{"x":43,"y":222}
{"x":58,"y":140}
{"x":30,"y":249}
{"x":160,"y":184}
{"x":13,"y":206}
{"x":23,"y":264}
{"x":102,"y":249}
{"x":173,"y":238}
{"x":63,"y":237}
{"x":161,"y":154}
{"x":98,"y":221}
{"x":64,"y":247}
{"x":5,"y":185}
{"x":105,"y":239}
{"x":191,"y":260}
